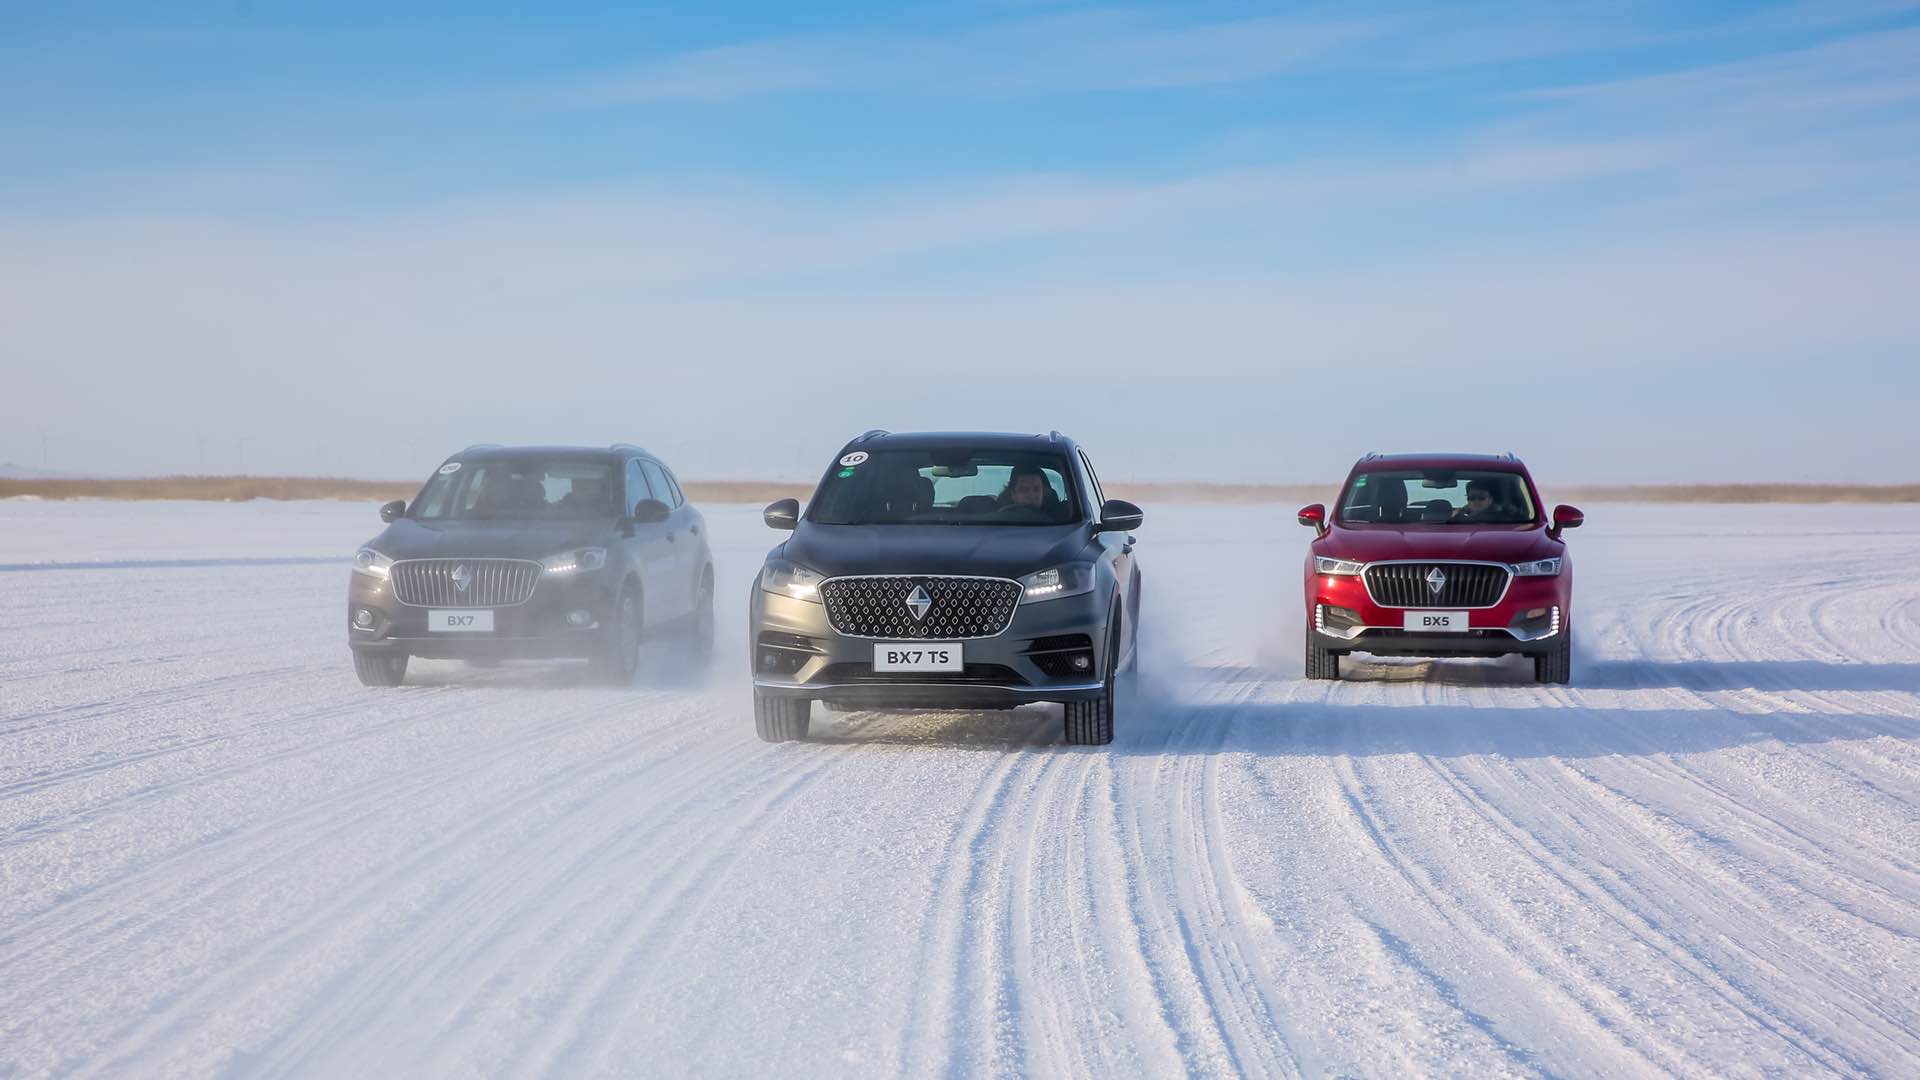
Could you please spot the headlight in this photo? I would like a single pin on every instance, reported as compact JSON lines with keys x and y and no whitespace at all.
{"x":1069,"y":579}
{"x":1338,"y":567}
{"x":790,"y":580}
{"x":574,"y":562}
{"x":372,"y":563}
{"x":1537,"y":568}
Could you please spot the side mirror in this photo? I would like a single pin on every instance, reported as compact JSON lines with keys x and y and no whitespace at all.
{"x":1566,"y":517}
{"x":1119,"y":515}
{"x":394,"y":510}
{"x":784,"y":514}
{"x":649,"y":511}
{"x":1314,"y":517}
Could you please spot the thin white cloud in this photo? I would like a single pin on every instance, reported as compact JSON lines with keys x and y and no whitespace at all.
{"x":1096,"y":50}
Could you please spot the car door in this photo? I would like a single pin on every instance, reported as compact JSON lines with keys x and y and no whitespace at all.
{"x":695,"y":552}
{"x":1119,"y":546}
{"x":681,"y":541}
{"x":653,"y":550}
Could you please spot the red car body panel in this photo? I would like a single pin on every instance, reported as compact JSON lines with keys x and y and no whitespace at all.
{"x":1519,"y":620}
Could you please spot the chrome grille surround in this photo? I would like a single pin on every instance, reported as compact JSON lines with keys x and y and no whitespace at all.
{"x":492,"y":582}
{"x":1402,"y":583}
{"x":875,"y":606}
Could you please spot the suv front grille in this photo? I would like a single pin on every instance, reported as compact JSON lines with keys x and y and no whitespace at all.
{"x":961,"y":608}
{"x":1467,"y":585}
{"x":489,"y":582}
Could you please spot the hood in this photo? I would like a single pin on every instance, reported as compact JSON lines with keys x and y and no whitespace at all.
{"x":986,"y":550}
{"x":1486,"y":543}
{"x":410,"y":539}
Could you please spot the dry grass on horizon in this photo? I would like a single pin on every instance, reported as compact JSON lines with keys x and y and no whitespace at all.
{"x":241,"y":488}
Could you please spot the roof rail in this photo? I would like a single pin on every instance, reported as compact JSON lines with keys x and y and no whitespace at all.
{"x":1369,"y":455}
{"x":1510,"y":455}
{"x":481,"y":446}
{"x":627,"y":446}
{"x":872,"y":433}
{"x":1056,"y":436}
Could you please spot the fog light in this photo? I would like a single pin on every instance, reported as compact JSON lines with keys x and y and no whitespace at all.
{"x":770,"y":661}
{"x":579,"y":618}
{"x":1536,"y":613}
{"x":1082,"y":662}
{"x":363,"y":618}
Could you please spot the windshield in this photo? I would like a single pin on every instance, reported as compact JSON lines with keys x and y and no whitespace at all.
{"x":959,"y":486}
{"x":517,"y":489}
{"x":1437,"y":497}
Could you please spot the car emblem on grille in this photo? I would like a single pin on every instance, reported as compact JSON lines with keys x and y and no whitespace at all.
{"x":919,"y":602}
{"x":1436,"y":580}
{"x":462,"y":577}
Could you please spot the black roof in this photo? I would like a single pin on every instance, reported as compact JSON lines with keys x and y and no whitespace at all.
{"x":986,"y":440}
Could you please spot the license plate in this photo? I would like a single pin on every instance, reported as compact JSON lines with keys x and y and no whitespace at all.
{"x":1436,"y":621}
{"x":918,"y":656}
{"x":460,"y":622}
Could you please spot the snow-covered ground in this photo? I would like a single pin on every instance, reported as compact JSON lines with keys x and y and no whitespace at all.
{"x":219,"y":854}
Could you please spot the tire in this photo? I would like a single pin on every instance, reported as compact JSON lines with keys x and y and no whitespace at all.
{"x":1321,"y":663}
{"x":617,"y":657}
{"x":1090,"y":723}
{"x":1556,"y":664}
{"x":781,"y":719}
{"x":378,"y":668}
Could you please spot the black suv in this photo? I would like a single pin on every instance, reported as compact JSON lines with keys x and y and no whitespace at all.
{"x":948,"y":570}
{"x":534,"y":551}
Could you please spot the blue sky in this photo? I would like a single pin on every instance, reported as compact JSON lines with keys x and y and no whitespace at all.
{"x":1633,"y":242}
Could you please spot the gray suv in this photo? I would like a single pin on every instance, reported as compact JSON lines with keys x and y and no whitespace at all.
{"x":948,"y":570}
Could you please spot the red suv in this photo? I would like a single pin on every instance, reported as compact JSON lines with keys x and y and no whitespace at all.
{"x":1439,"y":555}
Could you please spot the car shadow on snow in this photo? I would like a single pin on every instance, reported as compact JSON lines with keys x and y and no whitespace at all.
{"x":1504,"y":723}
{"x":996,"y":729}
{"x":1745,"y":675}
{"x":657,"y":672}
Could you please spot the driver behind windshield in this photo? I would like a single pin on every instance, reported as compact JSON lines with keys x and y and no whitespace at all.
{"x":1027,"y":487}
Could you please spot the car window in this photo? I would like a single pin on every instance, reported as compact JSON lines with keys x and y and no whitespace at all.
{"x":658,"y":482}
{"x":673,"y":486}
{"x":958,"y":486}
{"x":518,"y":489}
{"x":1437,"y":497}
{"x":1093,"y":480}
{"x":636,"y":485}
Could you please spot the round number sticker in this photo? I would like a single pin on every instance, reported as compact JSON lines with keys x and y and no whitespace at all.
{"x":854,"y":458}
{"x":449,"y":468}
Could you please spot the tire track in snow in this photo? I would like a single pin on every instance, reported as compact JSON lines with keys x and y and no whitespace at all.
{"x":369,"y":892}
{"x":579,"y":1038}
{"x":326,"y":821}
{"x":590,"y":863}
{"x":933,"y":1037}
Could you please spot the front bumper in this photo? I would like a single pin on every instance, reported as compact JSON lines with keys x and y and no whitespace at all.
{"x":536,"y":629}
{"x":1531,"y":618}
{"x":795,"y":653}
